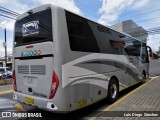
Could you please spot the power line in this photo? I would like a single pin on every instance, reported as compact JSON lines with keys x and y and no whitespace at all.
{"x":142,"y":12}
{"x":8,"y":13}
{"x":10,"y":10}
{"x":7,"y":16}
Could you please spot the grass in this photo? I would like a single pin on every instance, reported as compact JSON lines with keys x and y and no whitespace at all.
{"x":5,"y":82}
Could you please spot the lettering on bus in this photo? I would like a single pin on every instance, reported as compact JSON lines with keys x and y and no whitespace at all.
{"x":30,"y":28}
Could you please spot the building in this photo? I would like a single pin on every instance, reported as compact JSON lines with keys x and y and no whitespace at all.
{"x":9,"y":61}
{"x":131,"y":28}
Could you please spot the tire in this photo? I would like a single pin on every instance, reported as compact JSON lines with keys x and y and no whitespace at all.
{"x":113,"y":90}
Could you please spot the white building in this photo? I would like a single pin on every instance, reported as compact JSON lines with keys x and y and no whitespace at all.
{"x":9,"y":61}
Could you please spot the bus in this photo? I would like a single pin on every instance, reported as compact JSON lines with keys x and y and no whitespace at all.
{"x":64,"y":62}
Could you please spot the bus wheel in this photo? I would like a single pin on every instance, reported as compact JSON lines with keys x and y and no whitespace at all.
{"x":113,"y":90}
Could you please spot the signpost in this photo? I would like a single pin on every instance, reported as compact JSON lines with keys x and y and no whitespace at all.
{"x":5,"y":44}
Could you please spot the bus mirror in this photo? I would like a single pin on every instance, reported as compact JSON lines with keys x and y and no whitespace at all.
{"x":150,"y":51}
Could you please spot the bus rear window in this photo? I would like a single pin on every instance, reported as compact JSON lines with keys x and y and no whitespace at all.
{"x":34,"y":28}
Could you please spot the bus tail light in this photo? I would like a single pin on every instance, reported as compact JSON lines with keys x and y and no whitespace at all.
{"x":54,"y":85}
{"x":14,"y":81}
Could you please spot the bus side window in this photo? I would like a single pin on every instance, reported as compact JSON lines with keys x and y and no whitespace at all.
{"x":76,"y":28}
{"x":81,"y":37}
{"x":132,"y":47}
{"x":117,"y":46}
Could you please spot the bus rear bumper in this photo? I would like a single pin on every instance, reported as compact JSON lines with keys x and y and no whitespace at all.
{"x":42,"y":103}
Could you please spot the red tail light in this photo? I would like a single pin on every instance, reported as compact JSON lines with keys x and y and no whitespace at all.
{"x":31,"y":46}
{"x":14,"y":81}
{"x":54,"y":85}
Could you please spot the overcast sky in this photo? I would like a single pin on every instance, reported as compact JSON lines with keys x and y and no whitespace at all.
{"x":144,"y":12}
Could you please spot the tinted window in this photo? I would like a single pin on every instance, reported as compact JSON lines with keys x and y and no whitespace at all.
{"x":76,"y":27}
{"x":81,"y":37}
{"x":132,"y":47}
{"x":34,"y":28}
{"x":117,"y":46}
{"x":145,"y":58}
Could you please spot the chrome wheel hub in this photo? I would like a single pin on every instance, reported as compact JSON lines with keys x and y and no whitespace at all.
{"x":113,"y":90}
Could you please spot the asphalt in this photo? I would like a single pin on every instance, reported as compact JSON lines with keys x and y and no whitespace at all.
{"x":6,"y":88}
{"x":154,"y":67}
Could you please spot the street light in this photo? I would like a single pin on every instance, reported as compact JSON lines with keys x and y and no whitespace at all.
{"x":5,"y":44}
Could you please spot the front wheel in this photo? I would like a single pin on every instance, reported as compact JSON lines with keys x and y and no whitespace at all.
{"x":113,"y":90}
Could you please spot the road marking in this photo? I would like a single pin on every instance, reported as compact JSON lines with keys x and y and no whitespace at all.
{"x":124,"y":97}
{"x":6,"y":92}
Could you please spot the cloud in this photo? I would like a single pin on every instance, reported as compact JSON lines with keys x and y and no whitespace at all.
{"x":17,"y":6}
{"x":67,"y":4}
{"x":140,"y":4}
{"x":21,"y":6}
{"x":9,"y":47}
{"x":111,"y":9}
{"x":9,"y":24}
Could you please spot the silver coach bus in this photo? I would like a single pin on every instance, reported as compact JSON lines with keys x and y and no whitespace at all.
{"x":63,"y":62}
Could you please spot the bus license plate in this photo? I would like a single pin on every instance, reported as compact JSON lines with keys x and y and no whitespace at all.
{"x":29,"y":100}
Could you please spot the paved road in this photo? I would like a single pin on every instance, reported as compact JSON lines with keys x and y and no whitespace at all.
{"x":154,"y":68}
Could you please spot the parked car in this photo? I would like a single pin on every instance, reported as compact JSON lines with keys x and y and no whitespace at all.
{"x":1,"y":76}
{"x":5,"y":73}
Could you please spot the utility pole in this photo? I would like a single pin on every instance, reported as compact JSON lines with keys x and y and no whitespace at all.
{"x":5,"y":45}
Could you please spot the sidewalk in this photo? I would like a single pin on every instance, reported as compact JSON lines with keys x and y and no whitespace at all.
{"x":147,"y":98}
{"x":6,"y":88}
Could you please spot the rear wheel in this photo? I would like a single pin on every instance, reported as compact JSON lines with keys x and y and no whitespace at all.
{"x":113,"y":90}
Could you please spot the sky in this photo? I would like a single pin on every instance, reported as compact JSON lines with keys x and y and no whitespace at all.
{"x":108,"y":12}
